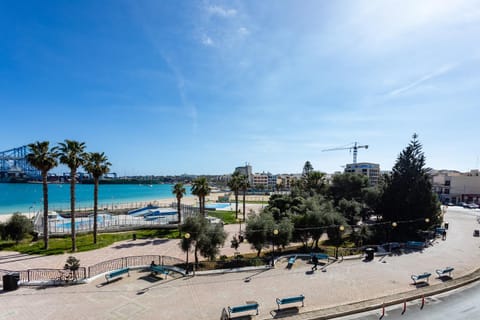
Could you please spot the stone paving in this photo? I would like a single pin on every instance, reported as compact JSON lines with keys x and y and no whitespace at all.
{"x":203,"y":297}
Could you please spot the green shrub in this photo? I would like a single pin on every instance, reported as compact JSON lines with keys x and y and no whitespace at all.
{"x":18,"y":227}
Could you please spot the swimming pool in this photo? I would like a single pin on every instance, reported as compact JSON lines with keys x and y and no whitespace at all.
{"x":217,"y":205}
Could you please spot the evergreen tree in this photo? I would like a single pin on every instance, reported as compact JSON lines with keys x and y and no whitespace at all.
{"x":408,"y":199}
{"x":307,"y":168}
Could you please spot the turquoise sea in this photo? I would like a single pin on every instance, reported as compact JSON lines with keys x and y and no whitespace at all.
{"x":28,"y":197}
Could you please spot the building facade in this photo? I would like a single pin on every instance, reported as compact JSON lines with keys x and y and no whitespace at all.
{"x":455,"y":187}
{"x":371,"y":170}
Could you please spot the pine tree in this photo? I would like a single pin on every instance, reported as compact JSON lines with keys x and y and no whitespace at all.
{"x":408,"y":199}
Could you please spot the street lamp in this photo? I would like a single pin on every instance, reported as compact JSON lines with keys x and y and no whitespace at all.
{"x":275,"y":233}
{"x":394,"y":225}
{"x":187,"y":236}
{"x":341,"y":228}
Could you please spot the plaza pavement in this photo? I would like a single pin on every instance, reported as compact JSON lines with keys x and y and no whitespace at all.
{"x":347,"y":282}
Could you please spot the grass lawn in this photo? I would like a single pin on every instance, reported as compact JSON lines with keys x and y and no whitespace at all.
{"x":228,"y":217}
{"x":84,"y":242}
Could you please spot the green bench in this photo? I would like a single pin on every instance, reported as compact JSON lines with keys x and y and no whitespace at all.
{"x":158,"y":269}
{"x":293,"y":299}
{"x":243,"y":308}
{"x":416,"y":278}
{"x":117,"y":273}
{"x":442,"y":272}
{"x":415,"y":245}
{"x":321,"y":256}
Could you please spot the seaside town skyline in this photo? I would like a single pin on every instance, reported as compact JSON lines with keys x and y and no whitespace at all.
{"x":201,"y":87}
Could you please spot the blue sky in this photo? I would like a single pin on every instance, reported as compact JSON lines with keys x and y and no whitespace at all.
{"x":172,"y":87}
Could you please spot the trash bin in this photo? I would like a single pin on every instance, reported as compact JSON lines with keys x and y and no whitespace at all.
{"x":10,"y":281}
{"x":446,"y":225}
{"x":370,"y":252}
{"x":134,"y":236}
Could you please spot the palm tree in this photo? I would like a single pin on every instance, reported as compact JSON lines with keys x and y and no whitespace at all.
{"x":201,"y":189}
{"x":72,"y":153}
{"x":244,"y":185}
{"x":44,"y":159}
{"x":179,"y":191}
{"x":97,"y":165}
{"x":234,"y":185}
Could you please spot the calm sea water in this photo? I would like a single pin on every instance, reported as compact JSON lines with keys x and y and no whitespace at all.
{"x":28,"y":197}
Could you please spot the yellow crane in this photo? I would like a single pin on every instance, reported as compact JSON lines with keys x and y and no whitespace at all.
{"x":355,"y":148}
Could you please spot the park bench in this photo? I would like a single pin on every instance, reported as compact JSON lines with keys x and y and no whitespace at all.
{"x":291,"y":261}
{"x":117,"y":273}
{"x":158,"y":269}
{"x":321,"y":256}
{"x":243,"y":308}
{"x":293,"y":299}
{"x":444,"y":271}
{"x":417,"y":245}
{"x":416,"y":278}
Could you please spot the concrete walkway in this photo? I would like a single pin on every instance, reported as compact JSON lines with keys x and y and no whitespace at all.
{"x":139,"y":296}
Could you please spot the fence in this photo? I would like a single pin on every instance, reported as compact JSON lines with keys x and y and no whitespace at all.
{"x":43,"y":274}
{"x":107,"y":222}
{"x":91,"y":271}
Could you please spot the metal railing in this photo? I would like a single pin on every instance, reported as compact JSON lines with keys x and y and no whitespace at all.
{"x":45,"y":274}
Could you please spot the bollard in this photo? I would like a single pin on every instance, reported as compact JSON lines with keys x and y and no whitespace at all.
{"x":404,"y":306}
{"x":383,"y":310}
{"x":423,"y":301}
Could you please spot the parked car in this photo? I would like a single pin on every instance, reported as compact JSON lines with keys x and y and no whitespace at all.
{"x":472,"y":206}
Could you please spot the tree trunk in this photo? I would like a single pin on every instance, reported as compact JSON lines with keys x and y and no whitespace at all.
{"x":45,"y":210}
{"x":178,"y":211}
{"x":244,"y":193}
{"x":72,"y":209}
{"x":236,"y":205}
{"x":95,"y":209}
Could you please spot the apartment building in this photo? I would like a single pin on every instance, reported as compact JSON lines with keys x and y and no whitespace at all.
{"x":454,"y":186}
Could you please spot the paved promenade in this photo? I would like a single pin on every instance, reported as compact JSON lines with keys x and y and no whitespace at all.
{"x":204,"y":297}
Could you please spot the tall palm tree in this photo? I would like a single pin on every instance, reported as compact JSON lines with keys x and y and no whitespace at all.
{"x":179,"y":191}
{"x":234,"y":185}
{"x":44,"y":159}
{"x":72,"y":153}
{"x":244,"y":185}
{"x":201,"y":189}
{"x":97,"y":165}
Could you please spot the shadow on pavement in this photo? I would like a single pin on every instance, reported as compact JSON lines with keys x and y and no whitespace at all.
{"x":444,"y":278}
{"x":285,"y":312}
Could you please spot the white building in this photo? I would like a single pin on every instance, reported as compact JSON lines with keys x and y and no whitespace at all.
{"x":371,"y":170}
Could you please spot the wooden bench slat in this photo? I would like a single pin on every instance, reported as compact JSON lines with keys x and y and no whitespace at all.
{"x":245,"y":307}
{"x":425,"y":275}
{"x":293,"y":299}
{"x":117,"y":273}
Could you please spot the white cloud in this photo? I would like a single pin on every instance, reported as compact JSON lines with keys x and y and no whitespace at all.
{"x":207,"y":41}
{"x":243,"y":31}
{"x":221,"y":12}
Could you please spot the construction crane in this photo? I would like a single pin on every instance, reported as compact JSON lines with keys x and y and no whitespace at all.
{"x":355,"y":148}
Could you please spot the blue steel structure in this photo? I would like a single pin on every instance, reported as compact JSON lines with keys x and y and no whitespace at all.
{"x":14,"y":165}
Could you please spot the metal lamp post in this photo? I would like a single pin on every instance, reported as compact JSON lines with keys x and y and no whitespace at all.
{"x":341,"y":228}
{"x":186,"y":236}
{"x":275,"y":233}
